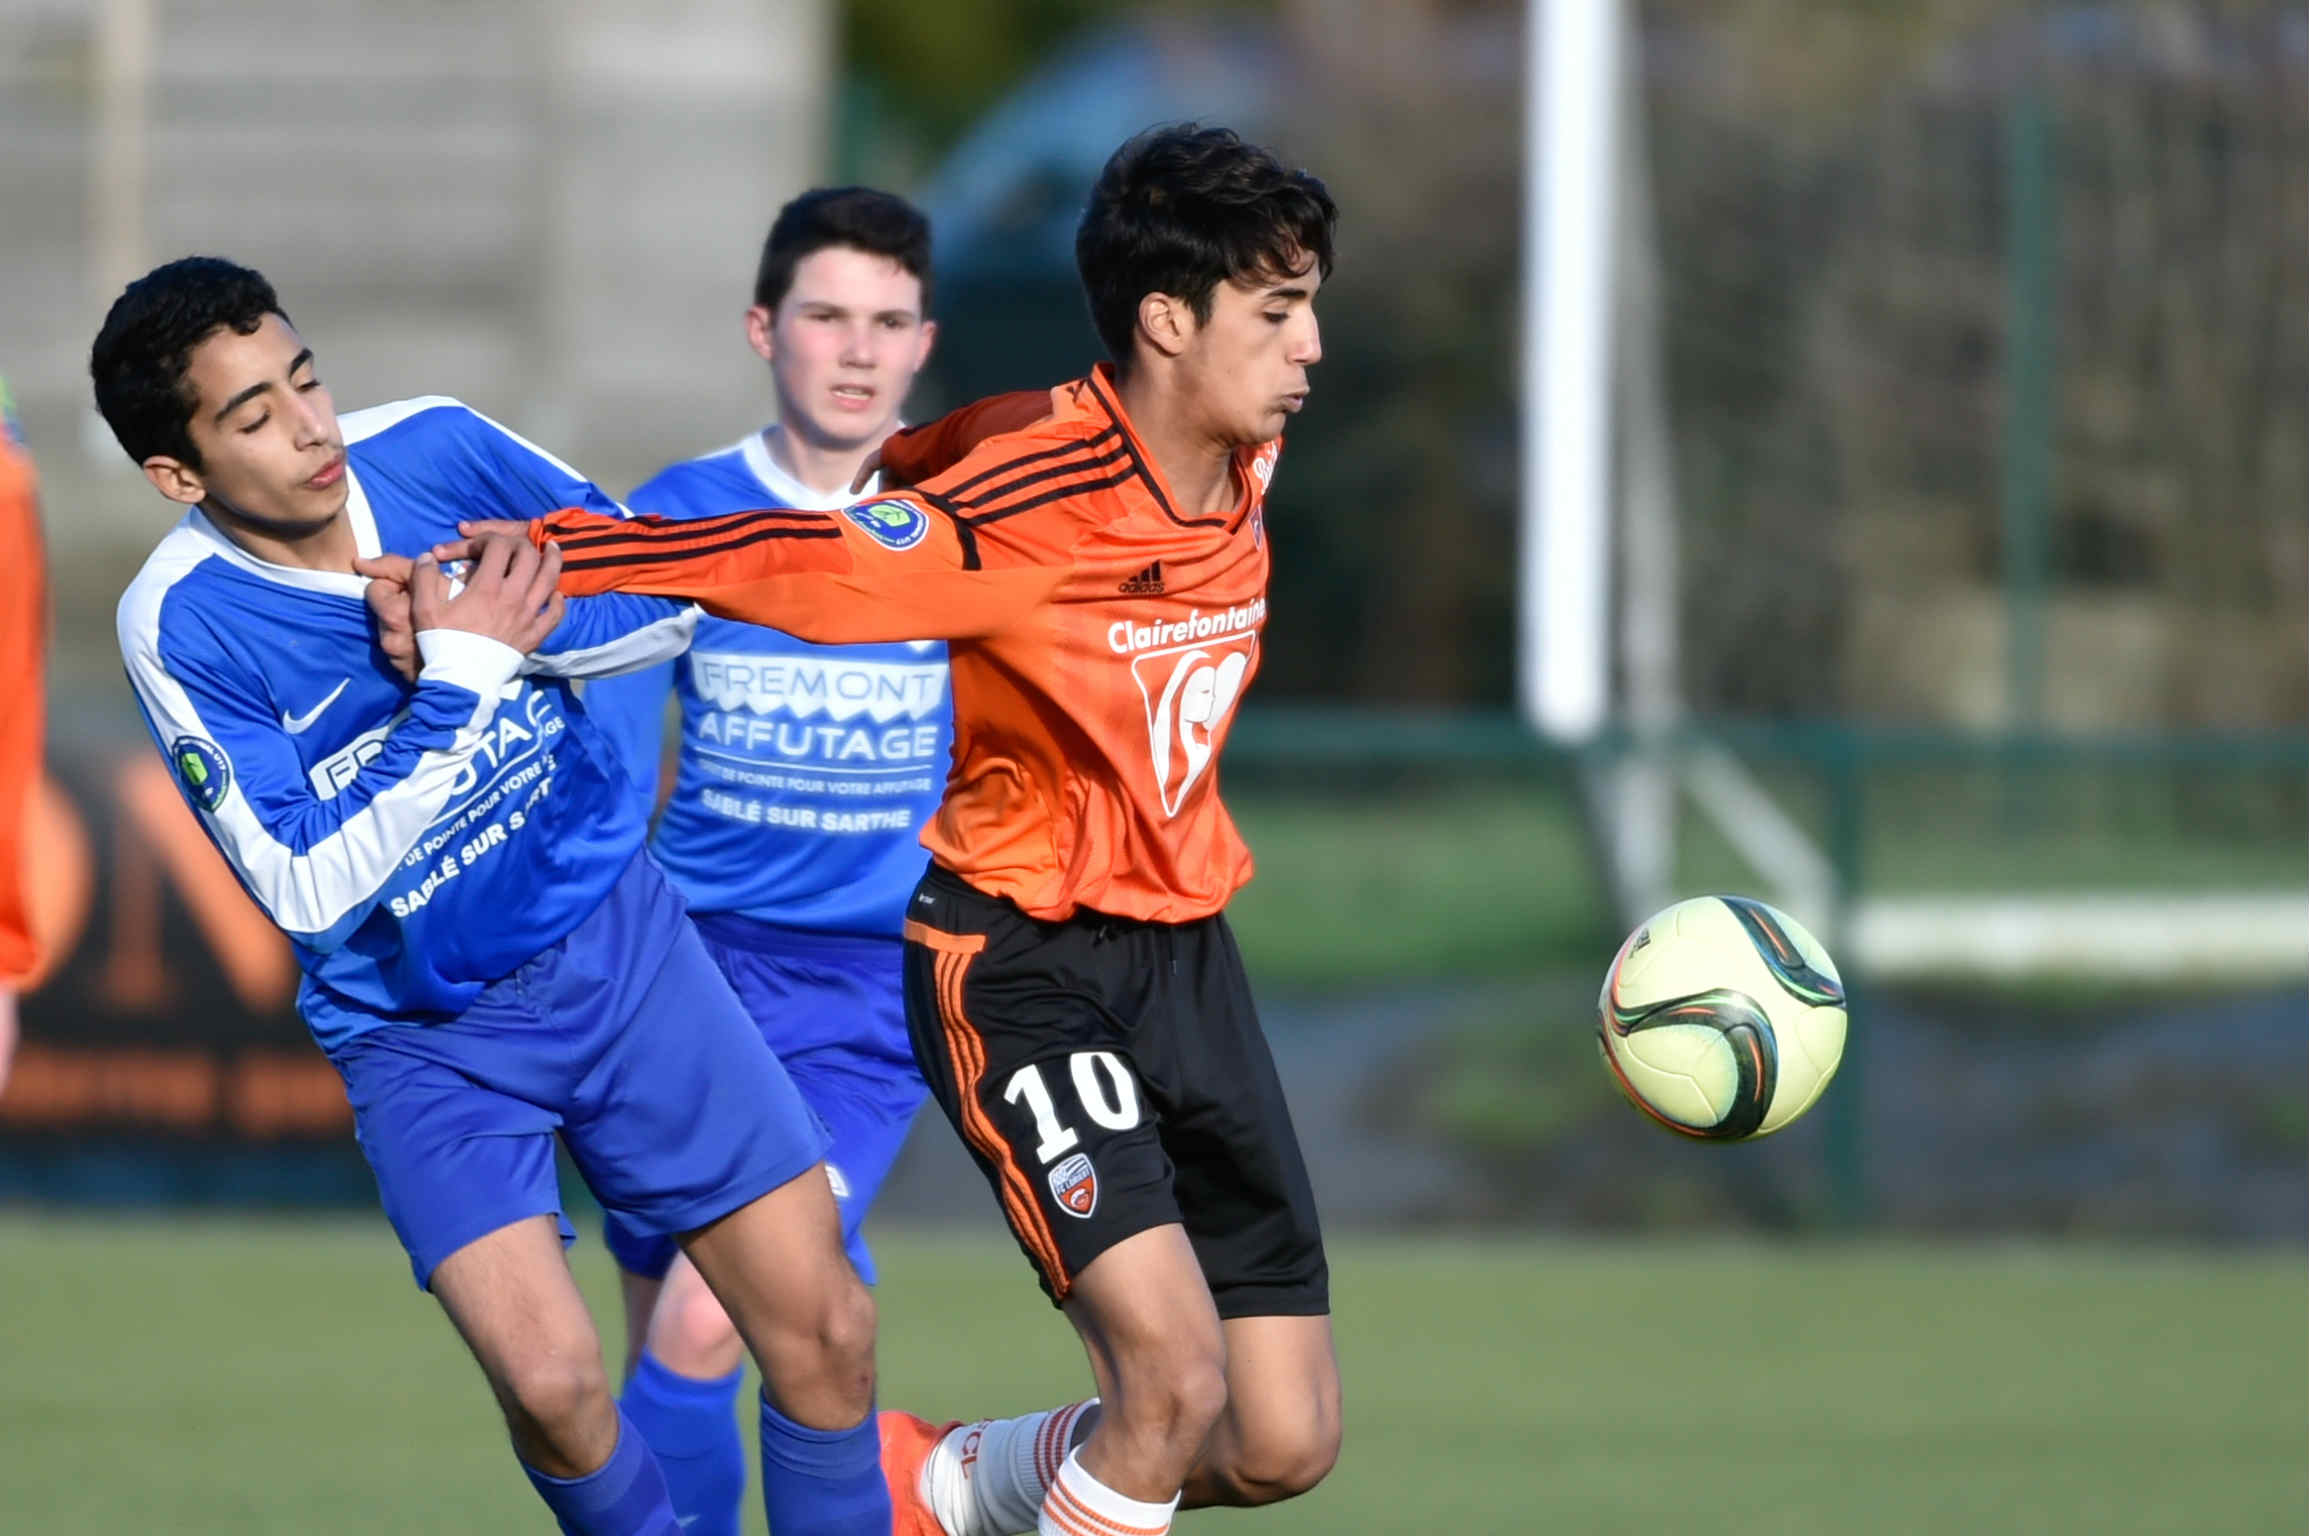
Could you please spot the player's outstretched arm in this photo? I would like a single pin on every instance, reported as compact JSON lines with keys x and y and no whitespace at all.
{"x":893,"y":569}
{"x":315,"y":864}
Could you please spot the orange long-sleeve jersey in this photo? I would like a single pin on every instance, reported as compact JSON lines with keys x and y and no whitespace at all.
{"x":1099,"y":639}
{"x":23,"y":633}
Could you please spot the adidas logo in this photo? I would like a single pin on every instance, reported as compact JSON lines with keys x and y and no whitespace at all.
{"x":1147,"y":583}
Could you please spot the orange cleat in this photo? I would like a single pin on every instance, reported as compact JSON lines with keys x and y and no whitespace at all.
{"x":906,"y":1443}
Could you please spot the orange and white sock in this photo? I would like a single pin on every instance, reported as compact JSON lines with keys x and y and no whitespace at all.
{"x":989,"y":1478}
{"x":1080,"y":1505}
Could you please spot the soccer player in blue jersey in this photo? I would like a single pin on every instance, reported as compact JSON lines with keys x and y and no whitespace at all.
{"x":490,"y":958}
{"x":805,"y":775}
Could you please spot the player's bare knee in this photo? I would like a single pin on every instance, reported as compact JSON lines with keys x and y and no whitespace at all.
{"x":851,"y":1327}
{"x":691,"y":1334}
{"x":1279,"y":1463}
{"x":821,"y":1362}
{"x":837,"y":1329}
{"x":1198,"y":1395}
{"x":556,"y":1401}
{"x":1177,"y":1399}
{"x":847,"y":1343}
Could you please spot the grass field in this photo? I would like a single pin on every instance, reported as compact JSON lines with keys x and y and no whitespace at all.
{"x":251,"y":1376}
{"x":1358,"y":892}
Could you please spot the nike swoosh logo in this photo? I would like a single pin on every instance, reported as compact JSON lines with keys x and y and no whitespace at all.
{"x":297,"y":725}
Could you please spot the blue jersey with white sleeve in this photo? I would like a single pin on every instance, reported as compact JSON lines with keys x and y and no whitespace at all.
{"x":415,"y":842}
{"x":807,"y":772}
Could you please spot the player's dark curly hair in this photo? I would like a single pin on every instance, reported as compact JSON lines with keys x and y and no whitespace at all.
{"x":877,"y":223}
{"x":1180,"y":209}
{"x":139,"y":360}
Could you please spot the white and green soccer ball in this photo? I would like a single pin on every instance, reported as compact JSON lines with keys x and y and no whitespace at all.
{"x":1721,"y":1018}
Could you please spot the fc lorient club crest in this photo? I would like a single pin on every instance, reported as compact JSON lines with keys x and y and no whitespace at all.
{"x":1074,"y":1183}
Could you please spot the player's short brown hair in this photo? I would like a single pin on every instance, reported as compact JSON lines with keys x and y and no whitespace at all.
{"x":1182,"y":208}
{"x":861,"y":218}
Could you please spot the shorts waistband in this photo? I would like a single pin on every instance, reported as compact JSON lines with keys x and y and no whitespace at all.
{"x":734,"y":930}
{"x":1100,"y":925}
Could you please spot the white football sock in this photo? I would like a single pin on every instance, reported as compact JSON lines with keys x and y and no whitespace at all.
{"x":989,"y":1478}
{"x":1080,"y":1505}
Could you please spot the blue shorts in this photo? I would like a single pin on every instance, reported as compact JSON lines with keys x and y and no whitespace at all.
{"x":624,"y":1040}
{"x":833,"y":1010}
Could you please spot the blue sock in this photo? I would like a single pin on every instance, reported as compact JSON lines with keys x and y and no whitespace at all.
{"x":693,"y":1427}
{"x":823,"y":1482}
{"x":625,"y":1498}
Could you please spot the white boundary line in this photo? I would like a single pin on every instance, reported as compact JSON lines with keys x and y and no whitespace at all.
{"x":2235,"y":935}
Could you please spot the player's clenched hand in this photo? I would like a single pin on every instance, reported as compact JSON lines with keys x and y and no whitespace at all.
{"x":509,"y":593}
{"x":475,"y":531}
{"x":388,"y":598}
{"x":452,"y":551}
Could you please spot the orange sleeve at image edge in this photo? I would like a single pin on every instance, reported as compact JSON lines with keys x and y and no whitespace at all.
{"x":23,"y":635}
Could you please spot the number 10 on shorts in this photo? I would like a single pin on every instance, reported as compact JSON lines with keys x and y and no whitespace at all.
{"x":1111,"y":1103}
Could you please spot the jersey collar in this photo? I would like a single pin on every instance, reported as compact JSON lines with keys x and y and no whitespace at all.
{"x":755,"y":450}
{"x":1107,"y":401}
{"x":340,"y":583}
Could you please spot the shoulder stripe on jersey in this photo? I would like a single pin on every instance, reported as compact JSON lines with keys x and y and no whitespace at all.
{"x":963,"y":532}
{"x":1098,"y":391}
{"x":1081,"y":464}
{"x":962,"y":491}
{"x":691,"y":528}
{"x":361,"y":425}
{"x":1106,"y":482}
{"x":507,"y":431}
{"x":638,"y":551}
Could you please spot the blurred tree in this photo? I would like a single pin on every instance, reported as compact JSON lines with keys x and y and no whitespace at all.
{"x":917,"y":76}
{"x":1395,"y":506}
{"x":1850,"y":335}
{"x":1836,"y":204}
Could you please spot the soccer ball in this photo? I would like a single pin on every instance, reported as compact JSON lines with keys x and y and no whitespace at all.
{"x":1721,"y":1019}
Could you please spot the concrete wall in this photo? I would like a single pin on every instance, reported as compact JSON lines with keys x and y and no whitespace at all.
{"x":549,"y":209}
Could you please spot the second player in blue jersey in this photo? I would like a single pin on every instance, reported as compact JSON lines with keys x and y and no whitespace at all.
{"x":804,"y":777}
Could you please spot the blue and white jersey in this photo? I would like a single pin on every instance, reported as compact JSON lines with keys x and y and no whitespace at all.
{"x":415,"y":841}
{"x":807,"y":771}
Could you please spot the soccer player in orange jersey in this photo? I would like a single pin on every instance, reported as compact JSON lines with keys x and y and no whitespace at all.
{"x":23,"y":632}
{"x":1074,"y":995}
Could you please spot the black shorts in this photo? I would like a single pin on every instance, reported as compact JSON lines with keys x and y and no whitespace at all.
{"x":1110,"y":1077}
